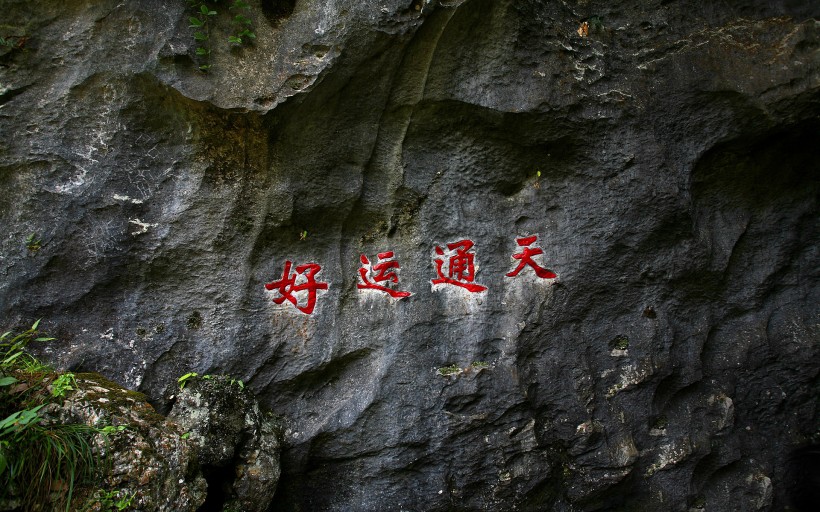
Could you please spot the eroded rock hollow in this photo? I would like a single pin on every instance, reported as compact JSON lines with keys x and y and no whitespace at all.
{"x":658,"y":160}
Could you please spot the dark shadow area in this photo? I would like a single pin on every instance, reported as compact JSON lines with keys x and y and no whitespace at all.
{"x":754,"y":172}
{"x":803,"y":478}
{"x":276,"y":10}
{"x":220,"y":487}
{"x":755,"y":210}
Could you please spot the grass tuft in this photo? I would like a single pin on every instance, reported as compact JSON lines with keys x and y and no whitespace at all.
{"x":41,"y":461}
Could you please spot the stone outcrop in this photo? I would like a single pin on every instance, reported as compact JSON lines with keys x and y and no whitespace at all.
{"x":216,"y":451}
{"x":663,"y":154}
{"x":145,"y":456}
{"x":238,"y":445}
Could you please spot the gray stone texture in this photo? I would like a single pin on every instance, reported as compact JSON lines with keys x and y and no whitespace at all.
{"x":672,"y":364}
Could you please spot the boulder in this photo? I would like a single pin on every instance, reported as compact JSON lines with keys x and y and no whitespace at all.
{"x":144,"y":458}
{"x":238,"y":444}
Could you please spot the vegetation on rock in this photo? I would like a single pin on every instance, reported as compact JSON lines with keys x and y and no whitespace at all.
{"x":41,"y":462}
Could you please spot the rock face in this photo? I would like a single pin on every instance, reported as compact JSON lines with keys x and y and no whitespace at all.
{"x":663,"y":154}
{"x":238,"y":445}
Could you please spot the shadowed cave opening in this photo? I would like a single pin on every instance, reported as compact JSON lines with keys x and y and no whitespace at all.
{"x":220,"y":481}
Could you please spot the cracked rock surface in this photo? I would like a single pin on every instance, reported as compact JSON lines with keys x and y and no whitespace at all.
{"x":663,"y":153}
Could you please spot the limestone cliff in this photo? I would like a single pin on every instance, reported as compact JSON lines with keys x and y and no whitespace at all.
{"x":657,"y":160}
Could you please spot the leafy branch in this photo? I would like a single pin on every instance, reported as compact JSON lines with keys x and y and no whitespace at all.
{"x":202,"y":21}
{"x":242,"y":24}
{"x":202,"y":35}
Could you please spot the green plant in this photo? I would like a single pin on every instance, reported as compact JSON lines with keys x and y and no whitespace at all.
{"x":182,"y":380}
{"x":620,"y":342}
{"x":41,"y":462}
{"x":20,"y":419}
{"x":111,"y":501}
{"x":14,"y":42}
{"x":537,"y":183}
{"x":202,"y":32}
{"x":33,"y":244}
{"x":13,"y":355}
{"x":112,"y":429}
{"x":242,"y":24}
{"x":479,"y":365}
{"x":44,"y":462}
{"x":63,"y":383}
{"x":303,"y":235}
{"x":188,"y":376}
{"x":596,"y":23}
{"x":202,"y":22}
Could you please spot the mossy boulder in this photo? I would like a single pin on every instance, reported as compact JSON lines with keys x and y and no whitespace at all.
{"x":148,"y":459}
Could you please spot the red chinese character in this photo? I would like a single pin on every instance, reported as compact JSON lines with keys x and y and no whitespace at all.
{"x":287,"y":286}
{"x":460,"y":268}
{"x":525,"y":258}
{"x":384,"y":266}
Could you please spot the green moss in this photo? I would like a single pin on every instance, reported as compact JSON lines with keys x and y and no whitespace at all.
{"x":117,"y":398}
{"x":453,"y":369}
{"x":619,"y":342}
